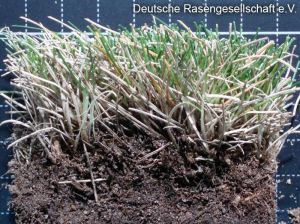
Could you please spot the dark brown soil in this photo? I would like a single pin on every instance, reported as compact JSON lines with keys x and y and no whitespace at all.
{"x":164,"y":189}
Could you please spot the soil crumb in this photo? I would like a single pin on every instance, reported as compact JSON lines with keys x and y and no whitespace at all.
{"x":162,"y":190}
{"x":295,"y":215}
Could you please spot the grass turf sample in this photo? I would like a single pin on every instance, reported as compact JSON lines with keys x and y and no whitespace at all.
{"x":222,"y":97}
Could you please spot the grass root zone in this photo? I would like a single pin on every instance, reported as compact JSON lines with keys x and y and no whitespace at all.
{"x":164,"y":188}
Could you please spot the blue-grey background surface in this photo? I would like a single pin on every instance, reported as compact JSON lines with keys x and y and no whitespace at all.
{"x":116,"y":13}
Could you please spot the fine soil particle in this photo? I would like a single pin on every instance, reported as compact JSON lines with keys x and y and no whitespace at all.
{"x":141,"y":188}
{"x":295,"y":215}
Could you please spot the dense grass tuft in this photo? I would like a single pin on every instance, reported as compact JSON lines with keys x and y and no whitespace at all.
{"x":220,"y":95}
